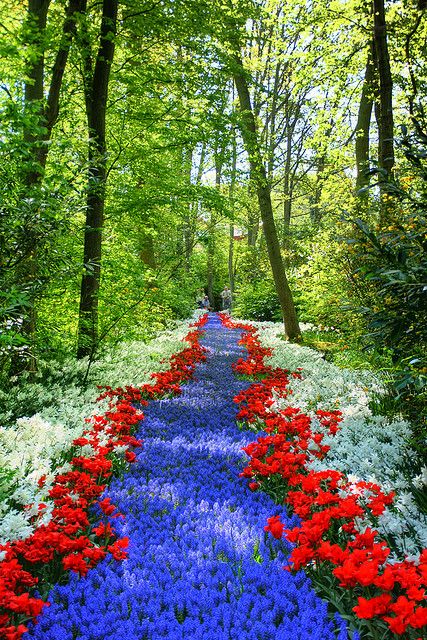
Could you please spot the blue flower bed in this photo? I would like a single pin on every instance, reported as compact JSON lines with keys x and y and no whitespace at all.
{"x":199,"y":564}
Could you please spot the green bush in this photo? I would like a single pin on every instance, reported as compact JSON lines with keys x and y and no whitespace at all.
{"x":392,"y":258}
{"x":258,"y":301}
{"x":390,"y":261}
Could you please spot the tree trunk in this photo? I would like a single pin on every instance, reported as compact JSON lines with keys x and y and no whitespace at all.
{"x":287,"y":202}
{"x":253,"y":222}
{"x":96,"y":93}
{"x":385,"y":122}
{"x":34,"y":87}
{"x":287,"y":211}
{"x":210,"y":265}
{"x":190,"y":218}
{"x":32,"y":172}
{"x":47,"y":114}
{"x":231,"y":257}
{"x":211,"y":237}
{"x":231,"y":228}
{"x":51,"y":112}
{"x":363,"y":126}
{"x":258,"y":175}
{"x":315,"y":212}
{"x":40,"y":119}
{"x":187,"y":226}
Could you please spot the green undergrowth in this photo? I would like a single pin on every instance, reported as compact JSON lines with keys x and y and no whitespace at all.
{"x":344,"y":350}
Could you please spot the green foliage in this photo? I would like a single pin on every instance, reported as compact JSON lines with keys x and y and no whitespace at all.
{"x":258,"y":301}
{"x":321,"y":284}
{"x":7,"y":480}
{"x":11,"y":304}
{"x":343,"y":349}
{"x":395,"y":264}
{"x":392,"y":259}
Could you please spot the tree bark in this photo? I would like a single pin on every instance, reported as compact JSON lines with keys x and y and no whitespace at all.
{"x":210,"y":264}
{"x":363,"y":126}
{"x":211,"y":237}
{"x":96,"y":93}
{"x":259,"y":177}
{"x":231,"y":257}
{"x":34,"y":89}
{"x":51,"y":111}
{"x":32,"y":173}
{"x":385,"y":121}
{"x":416,"y":106}
{"x":315,"y":211}
{"x":253,"y":222}
{"x":287,"y":196}
{"x":190,"y":218}
{"x":231,"y":228}
{"x":187,"y":164}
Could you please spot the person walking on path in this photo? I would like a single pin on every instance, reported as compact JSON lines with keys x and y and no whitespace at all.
{"x":206,"y":303}
{"x":226,"y":299}
{"x":199,"y":299}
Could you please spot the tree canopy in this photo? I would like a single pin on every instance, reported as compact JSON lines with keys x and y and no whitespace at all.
{"x":152,"y":151}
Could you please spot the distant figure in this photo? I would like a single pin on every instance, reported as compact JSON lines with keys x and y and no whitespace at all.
{"x":226,"y":299}
{"x":206,"y":304}
{"x":199,"y":299}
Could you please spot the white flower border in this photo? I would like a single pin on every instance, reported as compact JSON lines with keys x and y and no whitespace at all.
{"x":34,"y":446}
{"x":367,"y":447}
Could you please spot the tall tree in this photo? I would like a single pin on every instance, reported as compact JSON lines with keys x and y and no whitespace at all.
{"x":364,"y":122}
{"x":96,"y":80}
{"x":259,"y":177}
{"x":38,"y":130}
{"x":211,"y":247}
{"x":280,"y":96}
{"x":413,"y":60}
{"x":40,"y":117}
{"x":231,"y":195}
{"x":385,"y":97}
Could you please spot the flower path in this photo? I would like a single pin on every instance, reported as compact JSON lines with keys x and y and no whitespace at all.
{"x":199,"y":563}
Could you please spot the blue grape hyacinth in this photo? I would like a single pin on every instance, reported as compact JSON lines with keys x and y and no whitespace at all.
{"x":200,"y":565}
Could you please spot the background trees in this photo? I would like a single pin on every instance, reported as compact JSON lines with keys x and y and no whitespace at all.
{"x":236,"y":142}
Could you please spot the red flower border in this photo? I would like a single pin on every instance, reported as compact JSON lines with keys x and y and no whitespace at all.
{"x":330,"y":507}
{"x":70,"y":540}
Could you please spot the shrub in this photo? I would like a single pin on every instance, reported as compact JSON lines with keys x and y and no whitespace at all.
{"x":258,"y":301}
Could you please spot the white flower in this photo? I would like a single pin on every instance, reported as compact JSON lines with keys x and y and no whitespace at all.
{"x":366,"y":447}
{"x":35,"y":446}
{"x":121,"y":449}
{"x":420,"y":481}
{"x":15,"y":526}
{"x":86,"y":451}
{"x":352,"y":478}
